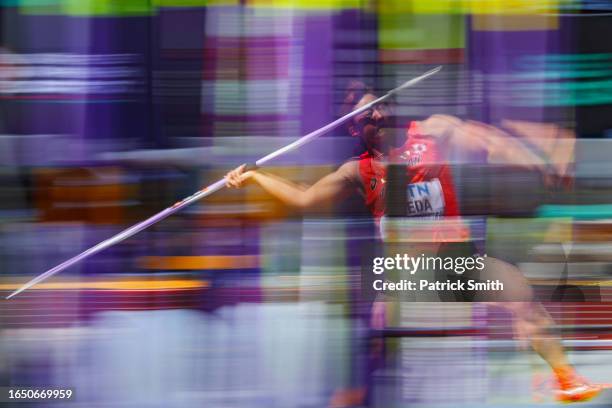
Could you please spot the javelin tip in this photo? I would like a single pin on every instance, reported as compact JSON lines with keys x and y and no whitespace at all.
{"x":29,"y":284}
{"x":412,"y":81}
{"x":13,"y":294}
{"x":25,"y":286}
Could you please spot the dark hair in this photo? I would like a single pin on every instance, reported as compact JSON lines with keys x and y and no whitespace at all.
{"x":354,"y":92}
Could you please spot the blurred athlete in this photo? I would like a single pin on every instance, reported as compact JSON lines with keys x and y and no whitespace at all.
{"x":431,"y":196}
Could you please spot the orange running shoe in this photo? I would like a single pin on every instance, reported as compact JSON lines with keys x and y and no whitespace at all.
{"x":354,"y":397}
{"x":573,"y":388}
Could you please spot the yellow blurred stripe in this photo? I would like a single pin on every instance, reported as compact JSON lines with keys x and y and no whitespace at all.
{"x":419,"y":6}
{"x":518,"y":22}
{"x":199,"y":262}
{"x":309,"y":4}
{"x":468,"y":6}
{"x":194,"y":3}
{"x":133,"y":284}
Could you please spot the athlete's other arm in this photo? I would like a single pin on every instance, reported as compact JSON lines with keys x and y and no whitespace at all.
{"x":334,"y":186}
{"x":473,"y":137}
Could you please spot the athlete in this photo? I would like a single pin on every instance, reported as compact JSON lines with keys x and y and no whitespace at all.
{"x":431,"y":197}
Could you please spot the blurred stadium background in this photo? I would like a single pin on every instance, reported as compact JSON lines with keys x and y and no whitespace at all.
{"x":112,"y":110}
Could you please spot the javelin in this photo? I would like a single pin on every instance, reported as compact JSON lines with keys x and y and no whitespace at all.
{"x":213,"y":187}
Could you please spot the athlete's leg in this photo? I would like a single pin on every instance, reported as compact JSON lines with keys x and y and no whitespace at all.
{"x":531,"y":324}
{"x":531,"y":320}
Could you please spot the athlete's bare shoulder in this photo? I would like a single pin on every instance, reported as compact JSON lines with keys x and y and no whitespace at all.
{"x":349,"y":171}
{"x":440,"y":126}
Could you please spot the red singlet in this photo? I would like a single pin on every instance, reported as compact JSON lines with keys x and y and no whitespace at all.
{"x":430,"y":194}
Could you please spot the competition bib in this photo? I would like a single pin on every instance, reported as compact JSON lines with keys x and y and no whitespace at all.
{"x":424,"y":199}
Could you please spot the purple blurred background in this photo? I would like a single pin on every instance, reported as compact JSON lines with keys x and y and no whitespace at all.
{"x":111,"y":111}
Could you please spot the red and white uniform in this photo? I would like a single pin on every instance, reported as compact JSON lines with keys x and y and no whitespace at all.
{"x":430,"y":194}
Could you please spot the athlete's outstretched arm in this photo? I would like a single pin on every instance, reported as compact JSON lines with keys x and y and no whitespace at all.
{"x":473,"y":137}
{"x":330,"y":188}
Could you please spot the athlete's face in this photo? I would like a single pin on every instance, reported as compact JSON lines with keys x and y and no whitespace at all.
{"x":373,"y":125}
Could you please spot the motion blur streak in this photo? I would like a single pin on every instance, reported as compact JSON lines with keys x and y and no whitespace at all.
{"x":111,"y":111}
{"x":117,"y":285}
